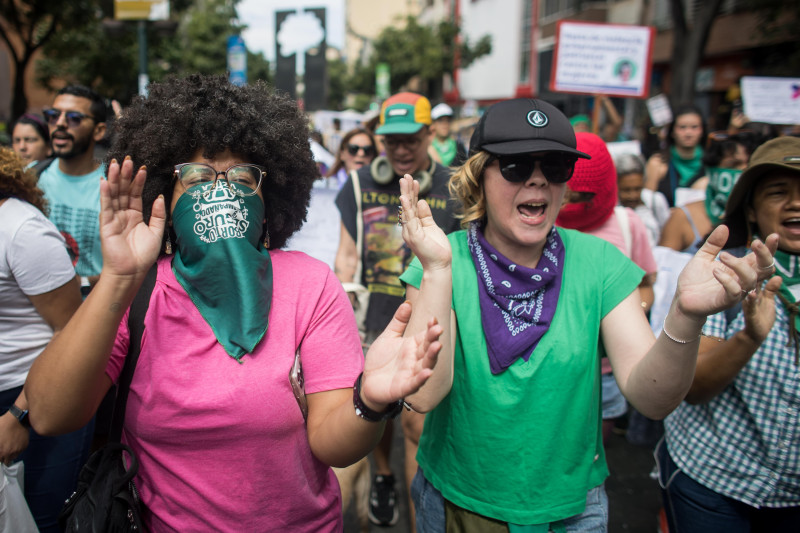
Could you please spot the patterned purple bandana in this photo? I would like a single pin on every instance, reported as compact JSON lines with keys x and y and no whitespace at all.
{"x":517,"y":303}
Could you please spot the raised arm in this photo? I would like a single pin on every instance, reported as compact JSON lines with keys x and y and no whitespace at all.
{"x":68,"y":380}
{"x":433,"y":299}
{"x":656,"y":374}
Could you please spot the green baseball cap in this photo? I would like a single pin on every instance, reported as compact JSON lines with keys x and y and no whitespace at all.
{"x":404,"y":114}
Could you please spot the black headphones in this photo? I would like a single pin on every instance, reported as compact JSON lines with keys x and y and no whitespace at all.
{"x":383,"y":174}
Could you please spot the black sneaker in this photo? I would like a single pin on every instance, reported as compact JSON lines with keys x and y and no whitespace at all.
{"x":383,"y":501}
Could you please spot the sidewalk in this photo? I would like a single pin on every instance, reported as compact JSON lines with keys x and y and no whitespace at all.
{"x":634,"y":498}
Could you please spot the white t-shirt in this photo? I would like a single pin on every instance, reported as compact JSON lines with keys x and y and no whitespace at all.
{"x":33,"y":261}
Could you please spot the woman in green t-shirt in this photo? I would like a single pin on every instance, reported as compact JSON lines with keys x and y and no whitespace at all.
{"x":512,"y":437}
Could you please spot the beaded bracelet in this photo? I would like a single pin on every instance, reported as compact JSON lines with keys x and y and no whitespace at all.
{"x":673,"y":339}
{"x":391,"y":411}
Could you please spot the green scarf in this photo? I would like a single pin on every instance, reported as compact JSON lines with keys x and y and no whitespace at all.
{"x":219,"y":262}
{"x":787,"y":266}
{"x":686,"y":168}
{"x":720,"y":185}
{"x":446,"y":150}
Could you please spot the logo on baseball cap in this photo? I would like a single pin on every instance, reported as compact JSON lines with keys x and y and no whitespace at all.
{"x":404,"y":114}
{"x":522,"y":126}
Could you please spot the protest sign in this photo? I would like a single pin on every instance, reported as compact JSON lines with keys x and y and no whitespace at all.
{"x":771,"y":100}
{"x":611,"y":59}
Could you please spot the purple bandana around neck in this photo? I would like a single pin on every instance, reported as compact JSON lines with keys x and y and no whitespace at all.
{"x":517,"y":303}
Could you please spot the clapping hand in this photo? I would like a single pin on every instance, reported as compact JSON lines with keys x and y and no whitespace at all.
{"x":130,"y":246}
{"x":396,"y":367}
{"x":424,"y":238}
{"x":707,"y":286}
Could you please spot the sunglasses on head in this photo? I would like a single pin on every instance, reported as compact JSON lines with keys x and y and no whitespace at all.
{"x":74,"y":118}
{"x":353,"y":149}
{"x":557,"y":168}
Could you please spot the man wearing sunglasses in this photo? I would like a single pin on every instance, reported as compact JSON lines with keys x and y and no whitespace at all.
{"x":373,"y":223}
{"x":71,"y":181}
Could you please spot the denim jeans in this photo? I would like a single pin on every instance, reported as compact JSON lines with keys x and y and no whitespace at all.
{"x":52,"y":465}
{"x":694,"y":508}
{"x":429,"y":505}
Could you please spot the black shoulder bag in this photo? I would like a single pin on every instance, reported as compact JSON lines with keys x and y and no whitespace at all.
{"x":106,"y":500}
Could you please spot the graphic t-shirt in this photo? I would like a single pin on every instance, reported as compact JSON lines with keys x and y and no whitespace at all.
{"x":385,"y":256}
{"x":75,"y":209}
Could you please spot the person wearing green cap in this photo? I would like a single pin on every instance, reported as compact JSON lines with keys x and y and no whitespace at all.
{"x":372,"y":254}
{"x":730,"y":460}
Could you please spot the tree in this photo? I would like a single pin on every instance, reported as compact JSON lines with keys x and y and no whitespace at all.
{"x":416,"y":51}
{"x":778,"y":25}
{"x":26,"y":26}
{"x":105,"y":55}
{"x":688,"y":45}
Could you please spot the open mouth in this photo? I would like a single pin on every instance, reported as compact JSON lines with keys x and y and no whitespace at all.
{"x":532,"y":210}
{"x":792,"y":224}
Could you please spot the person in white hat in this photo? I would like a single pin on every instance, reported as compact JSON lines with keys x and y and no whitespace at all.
{"x":445,"y":149}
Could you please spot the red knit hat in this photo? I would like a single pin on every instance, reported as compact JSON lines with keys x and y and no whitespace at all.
{"x":596,"y":175}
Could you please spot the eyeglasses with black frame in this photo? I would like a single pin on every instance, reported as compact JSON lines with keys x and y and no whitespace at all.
{"x":409,"y":142}
{"x":517,"y":168}
{"x":74,"y":118}
{"x":247,"y":176}
{"x":353,"y":149}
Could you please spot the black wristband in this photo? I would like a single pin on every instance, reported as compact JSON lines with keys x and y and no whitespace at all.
{"x":21,"y":415}
{"x":368,"y":414}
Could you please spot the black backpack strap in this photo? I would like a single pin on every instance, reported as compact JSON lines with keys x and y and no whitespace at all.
{"x":136,"y":327}
{"x":39,"y":167}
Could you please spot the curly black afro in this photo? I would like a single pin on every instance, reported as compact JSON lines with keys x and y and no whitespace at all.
{"x":183,"y":115}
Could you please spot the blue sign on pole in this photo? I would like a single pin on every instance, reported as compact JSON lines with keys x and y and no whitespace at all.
{"x":237,"y":60}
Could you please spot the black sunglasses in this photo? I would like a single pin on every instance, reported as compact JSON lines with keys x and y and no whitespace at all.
{"x":74,"y":118}
{"x":353,"y":149}
{"x":557,"y":168}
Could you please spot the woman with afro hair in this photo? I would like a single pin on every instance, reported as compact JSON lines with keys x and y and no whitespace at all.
{"x":208,"y":180}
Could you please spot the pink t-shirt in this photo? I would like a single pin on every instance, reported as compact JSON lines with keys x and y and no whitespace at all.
{"x":641,"y":253}
{"x":223,"y":446}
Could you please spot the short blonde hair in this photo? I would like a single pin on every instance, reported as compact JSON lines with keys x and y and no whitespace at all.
{"x":466,"y":186}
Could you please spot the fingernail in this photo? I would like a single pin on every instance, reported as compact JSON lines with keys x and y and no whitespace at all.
{"x":143,"y":167}
{"x":114,"y":162}
{"x":127,"y":158}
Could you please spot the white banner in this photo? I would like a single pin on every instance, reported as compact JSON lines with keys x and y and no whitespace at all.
{"x":610,"y":59}
{"x":771,"y":100}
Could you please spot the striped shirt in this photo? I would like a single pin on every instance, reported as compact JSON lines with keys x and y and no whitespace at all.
{"x":745,"y":443}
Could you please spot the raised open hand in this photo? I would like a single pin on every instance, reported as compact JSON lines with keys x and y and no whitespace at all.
{"x":130,"y":246}
{"x":423,"y":237}
{"x":707,"y":286}
{"x":396,"y":367}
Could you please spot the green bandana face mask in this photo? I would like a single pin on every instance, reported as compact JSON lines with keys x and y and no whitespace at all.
{"x":221,"y":264}
{"x":720,"y":185}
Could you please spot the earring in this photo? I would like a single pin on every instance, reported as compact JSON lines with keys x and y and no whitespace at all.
{"x":266,"y":237}
{"x":168,"y":246}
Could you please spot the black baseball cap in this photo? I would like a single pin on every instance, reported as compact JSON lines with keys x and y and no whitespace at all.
{"x":524,"y":125}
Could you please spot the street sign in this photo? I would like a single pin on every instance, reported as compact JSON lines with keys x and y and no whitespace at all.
{"x":382,"y":81}
{"x":141,"y":9}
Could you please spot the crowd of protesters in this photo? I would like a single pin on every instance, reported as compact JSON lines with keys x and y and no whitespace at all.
{"x":559,"y":289}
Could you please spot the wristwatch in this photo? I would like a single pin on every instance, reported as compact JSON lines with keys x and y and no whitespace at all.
{"x":21,"y":415}
{"x":368,"y":414}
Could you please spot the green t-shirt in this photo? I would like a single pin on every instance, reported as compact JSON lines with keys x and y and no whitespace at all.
{"x":525,"y":446}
